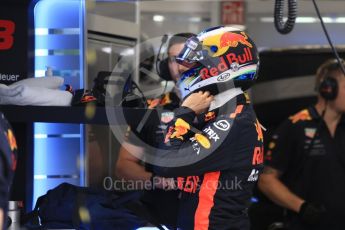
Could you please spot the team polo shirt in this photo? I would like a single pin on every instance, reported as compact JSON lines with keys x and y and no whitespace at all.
{"x":312,"y":163}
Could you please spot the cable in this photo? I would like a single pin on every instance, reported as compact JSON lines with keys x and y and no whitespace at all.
{"x":144,"y":99}
{"x":141,"y":92}
{"x":158,"y":60}
{"x":132,"y":83}
{"x":328,"y":37}
{"x":128,"y":89}
{"x":285,"y":28}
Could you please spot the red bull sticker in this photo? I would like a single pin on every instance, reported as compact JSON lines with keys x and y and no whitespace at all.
{"x":152,"y":103}
{"x":230,"y":39}
{"x":181,"y":128}
{"x":259,"y":131}
{"x":242,"y":58}
{"x":300,"y":116}
{"x":166,"y":100}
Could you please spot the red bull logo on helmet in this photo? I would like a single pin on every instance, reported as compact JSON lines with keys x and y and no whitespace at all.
{"x":224,"y":64}
{"x":230,"y":39}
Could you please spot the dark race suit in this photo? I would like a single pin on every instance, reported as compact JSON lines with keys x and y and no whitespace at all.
{"x":226,"y":154}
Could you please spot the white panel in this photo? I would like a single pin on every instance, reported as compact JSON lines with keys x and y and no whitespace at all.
{"x":112,"y":26}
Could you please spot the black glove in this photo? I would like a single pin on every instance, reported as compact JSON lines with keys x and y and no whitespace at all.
{"x":311,"y":213}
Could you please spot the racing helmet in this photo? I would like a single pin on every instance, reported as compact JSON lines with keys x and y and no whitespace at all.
{"x":217,"y":59}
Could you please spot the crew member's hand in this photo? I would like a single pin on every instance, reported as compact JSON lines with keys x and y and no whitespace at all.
{"x":311,"y":213}
{"x":198,"y":102}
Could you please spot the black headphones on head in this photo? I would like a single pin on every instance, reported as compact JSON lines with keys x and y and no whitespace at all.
{"x":328,"y":88}
{"x":164,"y":71}
{"x":162,"y":61}
{"x":328,"y":85}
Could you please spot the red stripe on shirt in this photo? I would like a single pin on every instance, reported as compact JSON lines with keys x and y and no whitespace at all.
{"x":237,"y":111}
{"x":206,"y":200}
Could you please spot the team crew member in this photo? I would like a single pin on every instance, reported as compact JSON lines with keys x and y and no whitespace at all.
{"x":8,"y":159}
{"x":214,"y":145}
{"x":129,"y":166}
{"x":305,"y":163}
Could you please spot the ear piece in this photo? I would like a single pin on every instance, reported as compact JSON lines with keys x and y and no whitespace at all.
{"x":164,"y":71}
{"x":328,"y":88}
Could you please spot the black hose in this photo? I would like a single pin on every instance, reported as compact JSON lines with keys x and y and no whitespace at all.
{"x":281,"y":26}
{"x":328,"y":38}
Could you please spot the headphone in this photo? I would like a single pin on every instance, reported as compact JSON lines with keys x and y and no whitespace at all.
{"x":162,"y":64}
{"x":328,"y":85}
{"x":328,"y":88}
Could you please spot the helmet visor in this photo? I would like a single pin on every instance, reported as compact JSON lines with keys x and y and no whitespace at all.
{"x":191,"y":53}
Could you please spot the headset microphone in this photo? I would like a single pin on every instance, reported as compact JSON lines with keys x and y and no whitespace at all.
{"x":164,"y":39}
